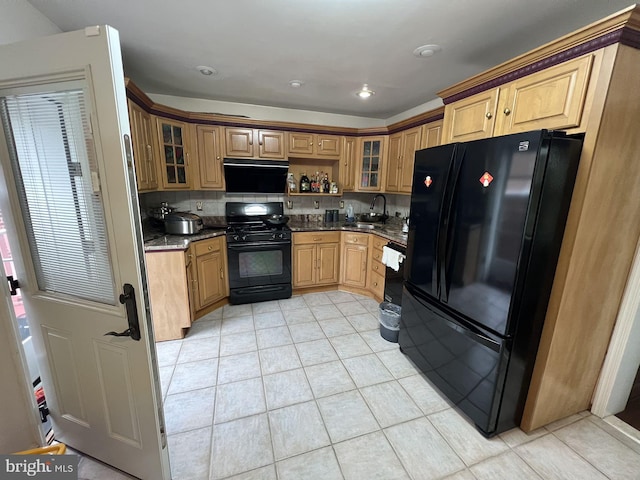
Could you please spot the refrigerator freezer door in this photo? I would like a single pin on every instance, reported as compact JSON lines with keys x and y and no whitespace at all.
{"x":487,"y":227}
{"x":430,"y":176}
{"x":467,"y":366}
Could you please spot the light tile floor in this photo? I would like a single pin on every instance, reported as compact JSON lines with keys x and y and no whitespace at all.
{"x":305,"y":388}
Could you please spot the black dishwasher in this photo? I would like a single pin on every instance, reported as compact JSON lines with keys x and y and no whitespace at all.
{"x":393,"y":280}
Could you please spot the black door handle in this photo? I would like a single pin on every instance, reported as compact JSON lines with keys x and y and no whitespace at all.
{"x":128,"y":299}
{"x":13,"y":285}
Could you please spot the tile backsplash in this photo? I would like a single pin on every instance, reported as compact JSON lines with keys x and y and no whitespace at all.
{"x":213,"y":202}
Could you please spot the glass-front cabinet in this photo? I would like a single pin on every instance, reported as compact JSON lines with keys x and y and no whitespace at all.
{"x":175,"y":151}
{"x":371,"y":157}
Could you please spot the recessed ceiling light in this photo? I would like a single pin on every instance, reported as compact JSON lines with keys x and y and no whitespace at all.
{"x":365,"y":92}
{"x":204,"y":70}
{"x":296,"y":83}
{"x":427,"y":50}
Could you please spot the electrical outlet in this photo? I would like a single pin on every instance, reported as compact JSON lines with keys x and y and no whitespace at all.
{"x":289,"y":204}
{"x":341,"y":203}
{"x":199,"y":206}
{"x":316,"y":204}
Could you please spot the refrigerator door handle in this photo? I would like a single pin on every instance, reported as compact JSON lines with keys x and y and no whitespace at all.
{"x":458,"y":325}
{"x":447,"y":223}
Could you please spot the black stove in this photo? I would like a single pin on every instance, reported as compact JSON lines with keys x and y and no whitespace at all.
{"x":257,"y":233}
{"x":259,"y":255}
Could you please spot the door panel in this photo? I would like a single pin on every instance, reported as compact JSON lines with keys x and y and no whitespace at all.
{"x":411,"y":143}
{"x":304,"y":257}
{"x":487,"y":227}
{"x":430,"y":178}
{"x":328,"y":256}
{"x":65,"y":377}
{"x":92,"y":179}
{"x":117,"y":392}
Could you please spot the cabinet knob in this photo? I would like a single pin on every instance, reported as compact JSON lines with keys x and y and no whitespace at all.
{"x":507,"y":111}
{"x":311,"y":144}
{"x":317,"y":239}
{"x":488,"y":115}
{"x":221,"y":274}
{"x":210,"y":247}
{"x":218,"y":157}
{"x":376,"y":267}
{"x":375,"y":284}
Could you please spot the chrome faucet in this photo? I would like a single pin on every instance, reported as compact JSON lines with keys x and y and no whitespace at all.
{"x":384,"y":205}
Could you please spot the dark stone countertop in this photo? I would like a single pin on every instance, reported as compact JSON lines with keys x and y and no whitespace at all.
{"x":155,"y":240}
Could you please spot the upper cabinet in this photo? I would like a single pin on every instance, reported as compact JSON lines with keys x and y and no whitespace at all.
{"x":211,"y":175}
{"x":144,"y":153}
{"x":431,"y":134}
{"x":348,"y":164}
{"x":402,"y":149}
{"x":253,"y":143}
{"x":370,"y":158}
{"x":311,"y":145}
{"x":471,"y":118}
{"x":175,"y":143}
{"x":553,"y":98}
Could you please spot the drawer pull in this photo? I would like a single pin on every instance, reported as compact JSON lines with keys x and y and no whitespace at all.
{"x":375,"y":267}
{"x":488,"y":115}
{"x":221,"y":274}
{"x":375,"y":284}
{"x":317,"y":239}
{"x":210,"y":247}
{"x":507,"y":111}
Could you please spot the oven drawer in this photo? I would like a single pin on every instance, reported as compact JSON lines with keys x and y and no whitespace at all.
{"x":300,"y":238}
{"x":203,"y":247}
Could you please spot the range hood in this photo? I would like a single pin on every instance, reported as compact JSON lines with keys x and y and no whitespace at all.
{"x":247,"y":175}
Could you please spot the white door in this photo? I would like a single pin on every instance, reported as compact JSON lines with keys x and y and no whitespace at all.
{"x":68,"y":198}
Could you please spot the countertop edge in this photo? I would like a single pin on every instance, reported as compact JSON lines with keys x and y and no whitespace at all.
{"x":167,"y":243}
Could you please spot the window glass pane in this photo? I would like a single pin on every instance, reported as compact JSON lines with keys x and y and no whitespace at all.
{"x":171,"y":174}
{"x":365,"y":180}
{"x":376,"y":147}
{"x":166,"y":133}
{"x":179,"y":156}
{"x":177,"y":135}
{"x":374,"y":180}
{"x":367,"y":148}
{"x":168,"y":154}
{"x":182,"y":177}
{"x":53,"y":160}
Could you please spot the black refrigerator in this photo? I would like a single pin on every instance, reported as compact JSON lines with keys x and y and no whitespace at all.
{"x":486,"y":224}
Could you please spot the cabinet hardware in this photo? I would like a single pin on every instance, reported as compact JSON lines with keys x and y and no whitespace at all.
{"x":488,"y":115}
{"x":187,"y":159}
{"x":317,"y":239}
{"x":375,"y":284}
{"x":210,"y":247}
{"x":221,"y":274}
{"x":507,"y":111}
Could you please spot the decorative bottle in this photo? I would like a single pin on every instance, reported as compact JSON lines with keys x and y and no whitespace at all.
{"x":305,"y":185}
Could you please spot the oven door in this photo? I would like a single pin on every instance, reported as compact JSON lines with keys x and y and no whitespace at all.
{"x":259,"y":264}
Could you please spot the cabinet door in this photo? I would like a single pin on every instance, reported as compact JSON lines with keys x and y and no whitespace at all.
{"x":328,"y":145}
{"x":192,"y":282}
{"x":371,"y":150}
{"x":348,"y":165}
{"x":141,"y":143}
{"x":394,"y":162}
{"x":410,"y":144}
{"x":354,"y":265}
{"x":300,"y":144}
{"x":238,"y":142}
{"x":328,"y":260}
{"x":553,"y":98}
{"x":431,"y":134}
{"x":174,"y":142}
{"x":271,"y":144}
{"x":210,"y":278}
{"x":471,"y":118}
{"x":209,"y":158}
{"x":304,"y":262}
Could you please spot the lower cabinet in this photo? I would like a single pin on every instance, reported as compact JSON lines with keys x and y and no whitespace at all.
{"x":184,"y":284}
{"x":377,"y":270}
{"x":210,"y":272}
{"x":316,"y":258}
{"x":168,"y":294}
{"x":355,"y":249}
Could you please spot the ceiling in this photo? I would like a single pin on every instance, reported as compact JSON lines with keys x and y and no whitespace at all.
{"x":333,"y":46}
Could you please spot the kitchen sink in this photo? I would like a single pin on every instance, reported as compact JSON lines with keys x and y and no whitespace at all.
{"x":368,"y":226}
